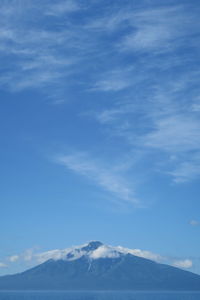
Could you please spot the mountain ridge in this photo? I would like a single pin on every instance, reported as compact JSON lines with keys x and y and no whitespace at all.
{"x":95,"y":266}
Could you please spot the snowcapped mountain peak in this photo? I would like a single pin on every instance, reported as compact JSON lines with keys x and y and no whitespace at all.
{"x":95,"y":266}
{"x":93,"y":250}
{"x":93,"y":245}
{"x":105,"y":252}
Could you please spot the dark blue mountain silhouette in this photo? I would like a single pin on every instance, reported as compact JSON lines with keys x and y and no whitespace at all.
{"x":120,"y":272}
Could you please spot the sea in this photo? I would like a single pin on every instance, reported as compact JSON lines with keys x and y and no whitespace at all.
{"x":93,"y":295}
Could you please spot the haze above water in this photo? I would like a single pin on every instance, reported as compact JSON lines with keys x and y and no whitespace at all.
{"x":60,"y":295}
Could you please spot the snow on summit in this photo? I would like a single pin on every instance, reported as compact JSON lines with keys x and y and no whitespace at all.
{"x":93,"y":250}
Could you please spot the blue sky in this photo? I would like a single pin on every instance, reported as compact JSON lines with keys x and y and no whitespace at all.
{"x":100,"y":128}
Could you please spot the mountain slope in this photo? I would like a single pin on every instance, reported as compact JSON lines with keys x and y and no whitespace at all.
{"x":96,"y":266}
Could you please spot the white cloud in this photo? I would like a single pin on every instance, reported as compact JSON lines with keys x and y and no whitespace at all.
{"x":57,"y":254}
{"x":162,"y":123}
{"x":194,"y":223}
{"x":147,"y":38}
{"x":101,"y":252}
{"x":34,"y":257}
{"x":186,"y":171}
{"x":62,"y":8}
{"x":47,"y":57}
{"x":112,"y":84}
{"x":185,"y":264}
{"x":76,"y":252}
{"x":159,"y":29}
{"x":28,"y":255}
{"x":164,"y":106}
{"x":142,"y":253}
{"x":52,"y":254}
{"x":107,"y":178}
{"x":14,"y":258}
{"x":111,"y":21}
{"x":105,"y":251}
{"x":37,"y":61}
{"x":176,"y":133}
{"x":3,"y":265}
{"x":115,"y":80}
{"x":37,"y":55}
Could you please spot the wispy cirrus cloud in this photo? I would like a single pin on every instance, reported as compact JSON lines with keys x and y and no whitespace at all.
{"x":149,"y":64}
{"x":113,"y":81}
{"x":156,"y":29}
{"x":62,"y":8}
{"x":37,"y":55}
{"x":159,"y":113}
{"x":186,"y":170}
{"x":107,"y":178}
{"x":175,"y":133}
{"x":160,"y":125}
{"x":34,"y":60}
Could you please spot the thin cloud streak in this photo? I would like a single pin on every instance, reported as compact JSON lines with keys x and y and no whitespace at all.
{"x":40,"y":56}
{"x":63,"y":7}
{"x":162,"y":121}
{"x":41,"y":63}
{"x":106,"y":178}
{"x":156,"y":29}
{"x":176,"y":135}
{"x":154,"y":115}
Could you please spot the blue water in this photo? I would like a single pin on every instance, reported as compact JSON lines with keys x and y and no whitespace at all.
{"x":60,"y":295}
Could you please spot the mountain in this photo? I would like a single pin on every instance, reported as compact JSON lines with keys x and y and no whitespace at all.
{"x":95,"y":266}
